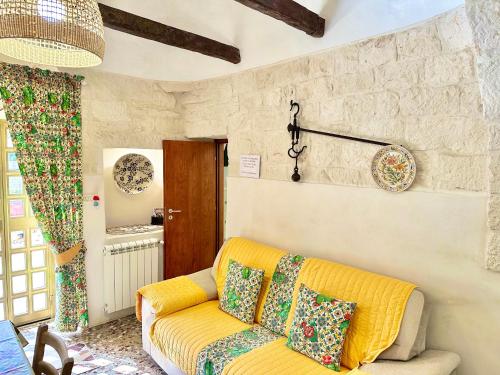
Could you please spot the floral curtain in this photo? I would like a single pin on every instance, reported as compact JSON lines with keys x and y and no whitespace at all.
{"x":43,"y":113}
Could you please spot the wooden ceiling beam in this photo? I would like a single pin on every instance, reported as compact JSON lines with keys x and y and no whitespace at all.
{"x":129,"y":23}
{"x":291,"y":13}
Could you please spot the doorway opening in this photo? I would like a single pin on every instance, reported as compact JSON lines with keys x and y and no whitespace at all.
{"x":222,"y":172}
{"x":195,"y":204}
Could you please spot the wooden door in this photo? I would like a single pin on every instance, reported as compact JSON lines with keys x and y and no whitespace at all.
{"x":190,"y":200}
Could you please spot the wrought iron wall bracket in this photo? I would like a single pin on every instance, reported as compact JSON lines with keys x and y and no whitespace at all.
{"x":294,"y":129}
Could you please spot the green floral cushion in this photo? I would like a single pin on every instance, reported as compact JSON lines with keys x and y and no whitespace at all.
{"x":319,"y":327}
{"x":241,"y":291}
{"x":279,"y":297}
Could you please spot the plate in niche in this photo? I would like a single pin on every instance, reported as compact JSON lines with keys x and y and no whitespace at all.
{"x":133,"y":173}
{"x":394,"y":168}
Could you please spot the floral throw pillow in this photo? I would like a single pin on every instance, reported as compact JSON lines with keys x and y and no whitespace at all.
{"x":241,"y":291}
{"x":319,"y":327}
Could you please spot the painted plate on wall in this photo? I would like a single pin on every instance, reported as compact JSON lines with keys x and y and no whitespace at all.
{"x":394,"y":168}
{"x":133,"y":173}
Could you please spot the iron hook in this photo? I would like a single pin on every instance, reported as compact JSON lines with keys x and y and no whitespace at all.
{"x":296,"y":105}
{"x":297,"y":153}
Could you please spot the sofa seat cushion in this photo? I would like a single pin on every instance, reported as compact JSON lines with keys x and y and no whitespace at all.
{"x":276,"y":358}
{"x":182,"y":335}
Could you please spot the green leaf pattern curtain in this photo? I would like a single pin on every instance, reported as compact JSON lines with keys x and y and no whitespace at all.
{"x":43,"y":115}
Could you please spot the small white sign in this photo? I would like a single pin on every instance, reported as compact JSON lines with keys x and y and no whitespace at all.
{"x":250,"y":166}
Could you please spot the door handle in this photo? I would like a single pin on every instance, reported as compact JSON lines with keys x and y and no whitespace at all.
{"x":172,"y":211}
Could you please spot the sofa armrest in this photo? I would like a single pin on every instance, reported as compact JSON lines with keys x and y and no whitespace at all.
{"x":430,"y":362}
{"x":169,"y":296}
{"x":148,"y":316}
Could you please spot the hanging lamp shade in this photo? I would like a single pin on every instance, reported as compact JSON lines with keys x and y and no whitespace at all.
{"x":65,"y":33}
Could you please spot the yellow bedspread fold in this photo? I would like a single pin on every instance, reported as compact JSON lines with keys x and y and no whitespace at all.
{"x":169,"y":296}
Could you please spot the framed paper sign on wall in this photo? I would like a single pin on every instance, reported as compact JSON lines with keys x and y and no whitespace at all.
{"x":250,"y":166}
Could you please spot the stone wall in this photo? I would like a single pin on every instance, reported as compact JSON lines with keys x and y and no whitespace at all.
{"x":118,"y":112}
{"x":432,"y":88}
{"x":417,"y":88}
{"x":125,"y":112}
{"x":424,"y":88}
{"x":484,"y":16}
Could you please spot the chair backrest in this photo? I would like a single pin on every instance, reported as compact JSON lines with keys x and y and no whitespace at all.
{"x":44,"y":337}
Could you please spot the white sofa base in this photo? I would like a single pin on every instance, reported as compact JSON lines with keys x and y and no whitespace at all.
{"x":430,"y":362}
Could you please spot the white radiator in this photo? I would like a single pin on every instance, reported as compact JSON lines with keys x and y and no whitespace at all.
{"x":128,"y":266}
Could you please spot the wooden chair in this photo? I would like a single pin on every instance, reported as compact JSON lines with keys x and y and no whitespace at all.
{"x":44,"y":337}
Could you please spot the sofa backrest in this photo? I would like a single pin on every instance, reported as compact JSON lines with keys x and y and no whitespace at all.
{"x":381,"y":300}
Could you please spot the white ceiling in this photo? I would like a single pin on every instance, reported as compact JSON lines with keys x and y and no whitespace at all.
{"x":262,"y":40}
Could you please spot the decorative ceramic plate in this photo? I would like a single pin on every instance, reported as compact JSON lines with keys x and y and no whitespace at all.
{"x":133,"y":173}
{"x":394,"y":168}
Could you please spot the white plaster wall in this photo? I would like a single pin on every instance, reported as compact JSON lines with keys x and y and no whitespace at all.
{"x":118,"y":112}
{"x":417,"y":87}
{"x":128,"y":209}
{"x":434,"y":240}
{"x":262,"y":40}
{"x":94,"y":229}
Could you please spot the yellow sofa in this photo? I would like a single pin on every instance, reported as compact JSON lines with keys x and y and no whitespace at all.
{"x":180,"y":317}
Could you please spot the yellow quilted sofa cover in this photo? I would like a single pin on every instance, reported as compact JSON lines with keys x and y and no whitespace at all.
{"x":380,"y":300}
{"x":182,"y":335}
{"x":381,"y":303}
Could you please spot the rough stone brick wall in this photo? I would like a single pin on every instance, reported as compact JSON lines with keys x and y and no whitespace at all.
{"x":121,"y":111}
{"x":433,"y":88}
{"x":484,"y":17}
{"x":417,"y":87}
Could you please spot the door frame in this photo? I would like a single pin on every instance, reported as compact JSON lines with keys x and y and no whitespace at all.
{"x":220,"y":144}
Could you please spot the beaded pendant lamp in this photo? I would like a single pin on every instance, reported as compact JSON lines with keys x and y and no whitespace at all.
{"x":65,"y":33}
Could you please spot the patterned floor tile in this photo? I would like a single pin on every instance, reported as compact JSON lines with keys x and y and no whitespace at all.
{"x":106,"y":348}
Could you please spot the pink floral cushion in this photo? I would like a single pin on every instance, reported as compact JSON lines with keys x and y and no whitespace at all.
{"x":319,"y":327}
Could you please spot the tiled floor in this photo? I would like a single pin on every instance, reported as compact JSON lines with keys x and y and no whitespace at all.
{"x":118,"y":341}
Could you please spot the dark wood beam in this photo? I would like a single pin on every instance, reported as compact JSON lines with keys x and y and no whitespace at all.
{"x":145,"y":28}
{"x":291,"y":13}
